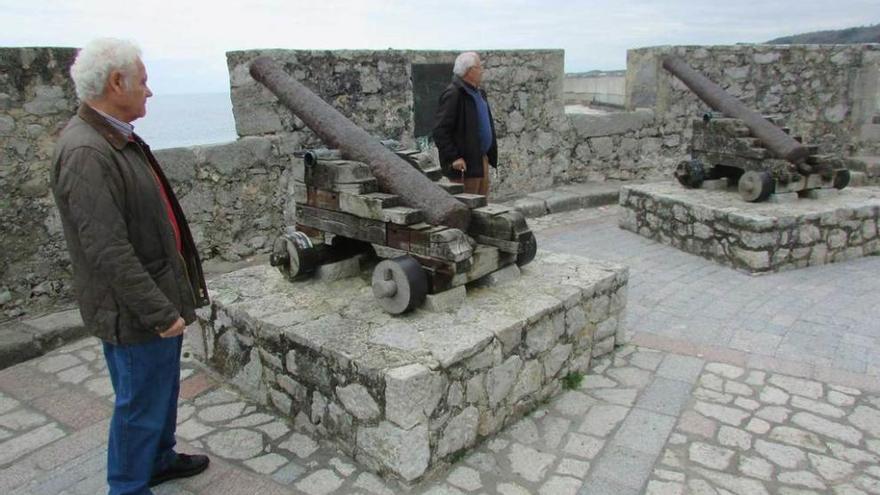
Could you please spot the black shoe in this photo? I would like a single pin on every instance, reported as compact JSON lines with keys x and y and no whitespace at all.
{"x":182,"y":467}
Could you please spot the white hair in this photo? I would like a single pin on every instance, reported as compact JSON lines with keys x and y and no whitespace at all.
{"x":464,"y":62}
{"x":97,"y":60}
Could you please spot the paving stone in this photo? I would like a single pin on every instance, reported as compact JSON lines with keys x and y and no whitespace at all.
{"x":583,"y":446}
{"x":682,"y":368}
{"x":774,"y":413}
{"x":573,"y":467}
{"x":28,"y":442}
{"x":734,"y":437}
{"x":192,"y":429}
{"x":573,"y":403}
{"x":798,"y":386}
{"x":725,"y":370}
{"x":755,"y":467}
{"x":266,"y":464}
{"x":560,"y":485}
{"x":553,"y":431}
{"x":781,"y":455}
{"x":713,"y":457}
{"x":275,"y":429}
{"x":603,"y":486}
{"x":735,"y":484}
{"x":619,"y":396}
{"x":224,"y":412}
{"x":512,"y":489}
{"x":867,"y":419}
{"x":797,"y":437}
{"x":644,"y":431}
{"x":21,"y":420}
{"x":665,"y":396}
{"x":697,"y":424}
{"x":342,"y":467}
{"x":729,"y":415}
{"x":320,"y":482}
{"x":235,"y":443}
{"x":524,"y":431}
{"x":773,"y":395}
{"x":656,"y":487}
{"x":602,"y":419}
{"x":840,"y":399}
{"x":828,"y":428}
{"x":528,"y":463}
{"x":630,"y":376}
{"x":301,"y":445}
{"x":372,"y":484}
{"x":58,"y":362}
{"x":802,"y":478}
{"x":625,"y":466}
{"x":465,"y":478}
{"x":289,"y":473}
{"x":829,"y":468}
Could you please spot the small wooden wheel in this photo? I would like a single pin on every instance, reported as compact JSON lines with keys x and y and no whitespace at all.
{"x":294,"y":255}
{"x":755,"y":186}
{"x":690,"y":173}
{"x":399,"y":284}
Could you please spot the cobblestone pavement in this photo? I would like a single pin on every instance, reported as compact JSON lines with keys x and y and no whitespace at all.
{"x":687,"y":407}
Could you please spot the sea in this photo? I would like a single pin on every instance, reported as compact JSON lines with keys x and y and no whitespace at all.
{"x":176,"y":120}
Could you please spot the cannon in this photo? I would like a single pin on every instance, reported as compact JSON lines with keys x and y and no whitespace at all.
{"x":365,"y":198}
{"x":754,"y":152}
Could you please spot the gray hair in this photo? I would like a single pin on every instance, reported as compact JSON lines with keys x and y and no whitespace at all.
{"x":97,"y":60}
{"x":464,"y":62}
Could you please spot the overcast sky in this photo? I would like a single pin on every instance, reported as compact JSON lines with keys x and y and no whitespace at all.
{"x":184,"y":41}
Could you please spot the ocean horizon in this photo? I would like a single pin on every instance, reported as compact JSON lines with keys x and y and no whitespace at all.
{"x":176,"y":120}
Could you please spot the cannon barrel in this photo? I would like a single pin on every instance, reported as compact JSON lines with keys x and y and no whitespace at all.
{"x":337,"y":131}
{"x":777,"y":141}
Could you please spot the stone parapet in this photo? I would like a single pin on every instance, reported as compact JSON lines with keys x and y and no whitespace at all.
{"x":755,"y":237}
{"x":406,"y":395}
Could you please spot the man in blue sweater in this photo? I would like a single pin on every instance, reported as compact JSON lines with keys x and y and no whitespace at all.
{"x":464,"y":131}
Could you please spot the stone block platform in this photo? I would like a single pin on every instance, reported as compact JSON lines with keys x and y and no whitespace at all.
{"x":755,"y":237}
{"x":407,"y":395}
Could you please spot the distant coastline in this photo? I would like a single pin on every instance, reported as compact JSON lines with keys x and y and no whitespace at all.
{"x":176,"y":120}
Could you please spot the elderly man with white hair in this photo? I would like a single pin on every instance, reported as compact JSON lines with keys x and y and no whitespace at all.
{"x":136,"y":273}
{"x":464,"y":131}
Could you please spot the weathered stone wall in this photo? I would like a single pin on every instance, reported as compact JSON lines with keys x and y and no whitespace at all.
{"x":828,"y":94}
{"x":374,"y":89}
{"x":36,"y":101}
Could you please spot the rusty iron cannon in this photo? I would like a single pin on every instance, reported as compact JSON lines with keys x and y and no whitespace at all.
{"x":754,"y":152}
{"x":364,"y":198}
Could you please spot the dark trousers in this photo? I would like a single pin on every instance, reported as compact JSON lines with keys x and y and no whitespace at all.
{"x":146,"y":380}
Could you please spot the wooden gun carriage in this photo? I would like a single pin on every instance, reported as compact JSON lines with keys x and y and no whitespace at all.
{"x":364,"y":198}
{"x":753,"y":152}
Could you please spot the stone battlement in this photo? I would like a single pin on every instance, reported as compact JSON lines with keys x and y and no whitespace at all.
{"x":405,"y":395}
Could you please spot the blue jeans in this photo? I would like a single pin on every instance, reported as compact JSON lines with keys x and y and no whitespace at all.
{"x":146,"y":380}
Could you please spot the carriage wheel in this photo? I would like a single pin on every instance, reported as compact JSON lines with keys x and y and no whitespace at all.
{"x":690,"y":173}
{"x":294,"y":255}
{"x":755,"y":186}
{"x":399,"y":284}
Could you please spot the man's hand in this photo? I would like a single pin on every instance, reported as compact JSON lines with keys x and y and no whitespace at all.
{"x":459,"y":165}
{"x":175,"y":329}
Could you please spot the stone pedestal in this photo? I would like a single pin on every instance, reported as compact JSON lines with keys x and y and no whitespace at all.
{"x":755,"y":237}
{"x":405,"y":395}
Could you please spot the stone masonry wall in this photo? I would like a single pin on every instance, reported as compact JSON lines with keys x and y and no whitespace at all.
{"x":36,"y":101}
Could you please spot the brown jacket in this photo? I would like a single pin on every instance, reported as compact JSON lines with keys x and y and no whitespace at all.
{"x":130,"y":280}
